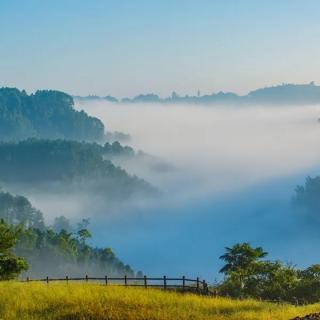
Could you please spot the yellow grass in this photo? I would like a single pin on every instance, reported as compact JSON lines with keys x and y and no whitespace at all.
{"x":79,"y":301}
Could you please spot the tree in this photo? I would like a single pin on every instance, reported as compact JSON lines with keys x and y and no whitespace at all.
{"x":271,"y":280}
{"x":240,"y":257}
{"x":240,"y":260}
{"x":81,"y":166}
{"x":23,"y":233}
{"x":18,"y":210}
{"x":10,"y":265}
{"x":308,"y":287}
{"x":61,"y":223}
{"x":307,"y":197}
{"x":83,"y":235}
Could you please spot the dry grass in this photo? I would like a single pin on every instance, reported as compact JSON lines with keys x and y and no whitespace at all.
{"x":77,"y":301}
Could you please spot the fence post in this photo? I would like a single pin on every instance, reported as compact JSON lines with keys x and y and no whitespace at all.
{"x":67,"y":279}
{"x":164,"y":282}
{"x":87,"y":278}
{"x":207,"y":289}
{"x":183,"y":283}
{"x":47,"y":279}
{"x":106,"y":280}
{"x":125,"y":280}
{"x":27,"y":279}
{"x":204,"y":286}
{"x":198,"y":284}
{"x":145,"y":281}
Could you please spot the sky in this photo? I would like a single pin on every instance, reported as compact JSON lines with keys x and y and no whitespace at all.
{"x":127,"y":47}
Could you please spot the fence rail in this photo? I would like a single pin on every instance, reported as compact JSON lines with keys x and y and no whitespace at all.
{"x":181,"y":284}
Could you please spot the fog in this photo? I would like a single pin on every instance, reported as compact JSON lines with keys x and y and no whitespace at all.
{"x":230,"y":173}
{"x":218,"y":149}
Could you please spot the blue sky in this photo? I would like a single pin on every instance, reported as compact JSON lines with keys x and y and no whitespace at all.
{"x":131,"y":46}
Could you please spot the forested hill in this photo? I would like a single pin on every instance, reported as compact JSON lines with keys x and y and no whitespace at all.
{"x":58,"y":249}
{"x":35,"y":162}
{"x":44,"y":114}
{"x":285,"y":94}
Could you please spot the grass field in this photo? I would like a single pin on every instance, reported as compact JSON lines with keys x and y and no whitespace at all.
{"x":77,"y":301}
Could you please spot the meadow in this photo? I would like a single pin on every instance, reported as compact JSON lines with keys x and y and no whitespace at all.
{"x":82,"y":301}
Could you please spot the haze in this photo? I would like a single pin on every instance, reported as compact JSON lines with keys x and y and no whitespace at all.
{"x":234,"y":173}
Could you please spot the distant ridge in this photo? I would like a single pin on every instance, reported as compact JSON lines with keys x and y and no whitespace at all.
{"x":285,"y":94}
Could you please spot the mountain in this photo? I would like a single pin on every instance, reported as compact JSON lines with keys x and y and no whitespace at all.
{"x":72,"y":166}
{"x":285,"y":94}
{"x":45,"y":114}
{"x":44,"y":141}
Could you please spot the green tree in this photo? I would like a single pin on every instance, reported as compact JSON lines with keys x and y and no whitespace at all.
{"x":240,"y":259}
{"x":45,"y":114}
{"x":48,"y":251}
{"x":247,"y":275}
{"x":10,"y":265}
{"x":308,"y":287}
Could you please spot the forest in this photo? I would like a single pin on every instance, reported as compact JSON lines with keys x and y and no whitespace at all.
{"x":38,"y":250}
{"x":44,"y":141}
{"x":248,"y":274}
{"x":45,"y":114}
{"x":36,"y":162}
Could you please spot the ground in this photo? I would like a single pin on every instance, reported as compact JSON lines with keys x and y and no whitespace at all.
{"x":81,"y":301}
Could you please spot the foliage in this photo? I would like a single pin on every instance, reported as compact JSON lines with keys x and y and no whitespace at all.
{"x":57,"y":254}
{"x":10,"y":265}
{"x":18,"y":210}
{"x":246,"y":275}
{"x":94,"y":301}
{"x":115,"y":149}
{"x":45,"y":114}
{"x":37,"y":161}
{"x":241,"y":257}
{"x":54,"y":251}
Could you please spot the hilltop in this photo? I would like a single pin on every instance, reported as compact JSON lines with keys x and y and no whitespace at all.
{"x":45,"y":114}
{"x":285,"y":94}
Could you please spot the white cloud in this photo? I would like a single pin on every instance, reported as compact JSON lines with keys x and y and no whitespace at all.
{"x":218,"y":148}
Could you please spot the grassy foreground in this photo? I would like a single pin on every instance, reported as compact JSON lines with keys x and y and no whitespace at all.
{"x":77,"y":301}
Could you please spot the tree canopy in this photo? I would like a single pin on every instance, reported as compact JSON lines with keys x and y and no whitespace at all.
{"x":10,"y":264}
{"x":45,"y":114}
{"x":54,"y":250}
{"x":241,"y":256}
{"x":247,"y":274}
{"x":85,"y":164}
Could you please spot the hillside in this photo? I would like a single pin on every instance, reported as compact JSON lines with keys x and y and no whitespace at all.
{"x":44,"y":114}
{"x":287,"y":94}
{"x":72,"y":164}
{"x":57,"y":249}
{"x":93,"y":301}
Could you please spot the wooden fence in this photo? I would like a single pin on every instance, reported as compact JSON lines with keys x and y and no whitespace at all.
{"x":180,"y":284}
